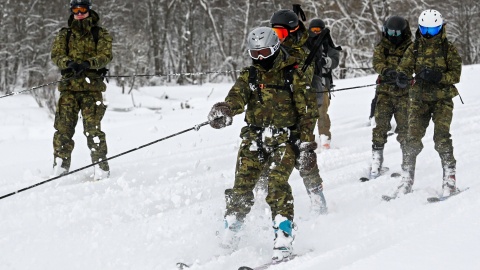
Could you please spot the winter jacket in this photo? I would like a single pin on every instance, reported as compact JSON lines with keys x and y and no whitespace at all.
{"x":432,"y":53}
{"x":388,"y":56}
{"x":82,"y":47}
{"x":270,"y":106}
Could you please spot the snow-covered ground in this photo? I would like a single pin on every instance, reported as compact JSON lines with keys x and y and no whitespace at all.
{"x":164,"y":203}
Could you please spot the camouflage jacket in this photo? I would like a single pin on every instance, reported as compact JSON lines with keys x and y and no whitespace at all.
{"x":431,"y":54}
{"x":297,"y":47}
{"x":387,"y":55}
{"x":276,"y":108}
{"x":82,"y":47}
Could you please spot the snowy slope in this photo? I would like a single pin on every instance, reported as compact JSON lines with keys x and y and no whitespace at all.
{"x":164,"y":203}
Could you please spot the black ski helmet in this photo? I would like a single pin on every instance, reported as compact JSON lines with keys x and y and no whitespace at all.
{"x":396,"y":23}
{"x":286,"y":18}
{"x":317,"y":23}
{"x":81,"y":3}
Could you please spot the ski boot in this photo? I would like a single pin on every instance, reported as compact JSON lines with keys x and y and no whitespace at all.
{"x":231,"y":237}
{"x":58,"y":169}
{"x":377,"y":161}
{"x":325,"y":142}
{"x":283,"y":243}
{"x":318,"y":204}
{"x":449,"y":185}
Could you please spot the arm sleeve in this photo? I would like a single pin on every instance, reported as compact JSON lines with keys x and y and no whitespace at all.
{"x":306,"y":106}
{"x":239,"y":94}
{"x":59,"y":49}
{"x":379,"y":59}
{"x":104,"y":50}
{"x":408,"y":62}
{"x":334,"y":56}
{"x":452,"y":76}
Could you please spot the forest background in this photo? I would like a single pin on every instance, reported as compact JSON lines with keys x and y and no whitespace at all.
{"x":189,"y":36}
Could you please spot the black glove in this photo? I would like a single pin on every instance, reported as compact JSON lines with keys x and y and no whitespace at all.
{"x":83,"y":66}
{"x":402,"y":80}
{"x":307,"y":159}
{"x":78,"y":68}
{"x":390,"y":74}
{"x":429,"y":75}
{"x":220,"y":115}
{"x":72,"y":66}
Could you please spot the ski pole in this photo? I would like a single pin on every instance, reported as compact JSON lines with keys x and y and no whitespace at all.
{"x":355,"y":87}
{"x":33,"y":88}
{"x":171,"y":74}
{"x":196,"y":128}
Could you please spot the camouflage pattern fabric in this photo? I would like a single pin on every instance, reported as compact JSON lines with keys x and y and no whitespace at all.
{"x":392,"y":101}
{"x":297,"y":47}
{"x":277,"y":167}
{"x":82,"y":47}
{"x":77,"y":94}
{"x":269,"y":123}
{"x":90,"y":104}
{"x":431,"y":100}
{"x":387,"y":55}
{"x":387,"y":107}
{"x":323,"y":117}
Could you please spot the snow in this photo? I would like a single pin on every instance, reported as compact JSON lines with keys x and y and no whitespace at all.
{"x":164,"y":203}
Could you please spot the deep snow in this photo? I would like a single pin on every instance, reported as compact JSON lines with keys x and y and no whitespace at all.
{"x":164,"y":203}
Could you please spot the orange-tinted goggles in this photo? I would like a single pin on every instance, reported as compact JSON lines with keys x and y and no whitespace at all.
{"x":79,"y":9}
{"x":316,"y":30}
{"x":282,"y":33}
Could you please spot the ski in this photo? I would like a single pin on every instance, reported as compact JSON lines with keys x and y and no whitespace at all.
{"x":267,"y":265}
{"x":442,"y":198}
{"x":181,"y":265}
{"x":383,"y":170}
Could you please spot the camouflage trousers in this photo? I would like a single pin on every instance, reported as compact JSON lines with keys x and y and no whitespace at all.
{"x":277,"y":165}
{"x":420,"y":113}
{"x":92,"y":108}
{"x":323,"y":118}
{"x":387,"y":107}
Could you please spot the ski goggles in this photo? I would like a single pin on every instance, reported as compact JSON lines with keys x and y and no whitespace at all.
{"x":393,"y":33}
{"x":263,"y":52}
{"x":316,"y":30}
{"x":79,"y":9}
{"x":282,"y":32}
{"x":430,"y":30}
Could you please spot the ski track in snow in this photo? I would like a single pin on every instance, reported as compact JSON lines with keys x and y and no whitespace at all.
{"x":164,"y":203}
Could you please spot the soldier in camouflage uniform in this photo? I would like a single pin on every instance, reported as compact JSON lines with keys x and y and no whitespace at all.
{"x":81,"y":51}
{"x":391,"y":100}
{"x":279,"y":101}
{"x":294,"y":36}
{"x":328,"y":58}
{"x":437,"y":66}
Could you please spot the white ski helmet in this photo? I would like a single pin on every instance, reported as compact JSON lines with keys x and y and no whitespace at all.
{"x":262,"y":41}
{"x":430,"y":18}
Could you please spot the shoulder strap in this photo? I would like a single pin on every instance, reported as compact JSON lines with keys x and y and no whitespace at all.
{"x":69,"y":33}
{"x":252,"y":82}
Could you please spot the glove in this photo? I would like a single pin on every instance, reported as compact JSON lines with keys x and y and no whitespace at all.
{"x":326,"y":62}
{"x":72,"y":66}
{"x":307,"y":159}
{"x":220,"y":115}
{"x":402,"y":80}
{"x":390,"y":74}
{"x":78,"y":68}
{"x":83,"y":66}
{"x":429,"y":75}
